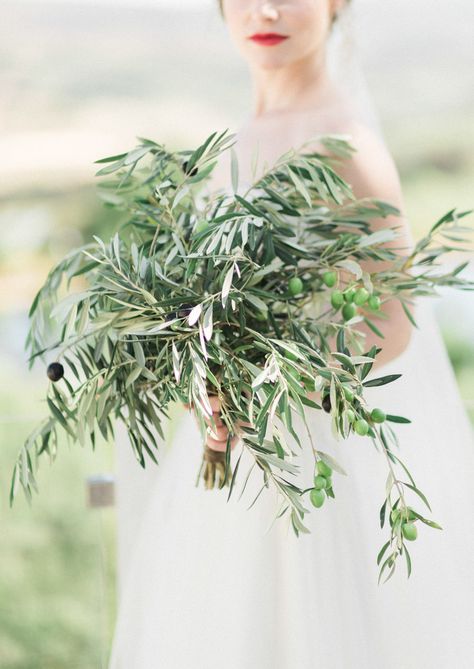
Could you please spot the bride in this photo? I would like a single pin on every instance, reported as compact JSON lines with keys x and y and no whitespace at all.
{"x":205,"y":583}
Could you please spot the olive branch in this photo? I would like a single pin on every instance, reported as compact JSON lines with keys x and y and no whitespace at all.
{"x":240,"y":296}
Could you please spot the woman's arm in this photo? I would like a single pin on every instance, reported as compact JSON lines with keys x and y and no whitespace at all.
{"x":371,"y":172}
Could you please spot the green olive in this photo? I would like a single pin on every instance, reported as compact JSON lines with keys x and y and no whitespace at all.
{"x":409,"y":531}
{"x":317,"y":497}
{"x":394,"y":515}
{"x":377,"y":415}
{"x":350,"y":415}
{"x":290,"y":355}
{"x":349,"y":395}
{"x":319,"y":482}
{"x":349,"y":294}
{"x":361,"y":426}
{"x":374,"y":302}
{"x":411,"y":515}
{"x":349,"y":310}
{"x":295,"y":285}
{"x":328,"y":482}
{"x":337,"y":299}
{"x":323,"y":468}
{"x":361,"y":296}
{"x":330,"y":278}
{"x":201,"y":225}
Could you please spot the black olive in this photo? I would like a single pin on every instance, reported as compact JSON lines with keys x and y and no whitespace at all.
{"x":185,"y":169}
{"x":171,"y":316}
{"x":55,"y":371}
{"x":326,"y":403}
{"x":185,"y":310}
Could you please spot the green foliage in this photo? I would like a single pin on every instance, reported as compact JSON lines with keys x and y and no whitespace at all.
{"x":175,"y":310}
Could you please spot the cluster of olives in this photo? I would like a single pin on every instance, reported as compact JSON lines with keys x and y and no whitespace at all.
{"x":407,"y":518}
{"x":349,"y":299}
{"x":359,"y":424}
{"x":322,"y":483}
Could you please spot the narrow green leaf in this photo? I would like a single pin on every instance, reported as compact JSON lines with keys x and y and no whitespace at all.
{"x":227,"y":285}
{"x":397,"y":419}
{"x":59,"y":416}
{"x":133,"y":376}
{"x":234,"y":170}
{"x":373,"y":327}
{"x":381,"y":381}
{"x":407,"y":555}
{"x":382,"y":552}
{"x":382,"y":513}
{"x":208,"y":322}
{"x":418,"y":492}
{"x":409,"y":314}
{"x":329,"y":460}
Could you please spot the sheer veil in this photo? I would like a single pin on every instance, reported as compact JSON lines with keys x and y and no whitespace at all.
{"x":345,"y":66}
{"x":425,"y":360}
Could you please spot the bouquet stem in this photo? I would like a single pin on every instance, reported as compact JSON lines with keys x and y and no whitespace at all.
{"x":213,"y":464}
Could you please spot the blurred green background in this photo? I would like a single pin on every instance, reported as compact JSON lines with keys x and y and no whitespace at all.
{"x":81,"y":81}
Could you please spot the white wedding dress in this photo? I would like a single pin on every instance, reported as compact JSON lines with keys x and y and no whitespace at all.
{"x":205,"y":584}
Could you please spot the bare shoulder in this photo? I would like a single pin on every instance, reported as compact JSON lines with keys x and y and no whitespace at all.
{"x":371,"y":169}
{"x":371,"y":172}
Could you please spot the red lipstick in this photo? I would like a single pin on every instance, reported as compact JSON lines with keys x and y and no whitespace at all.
{"x":268,"y":39}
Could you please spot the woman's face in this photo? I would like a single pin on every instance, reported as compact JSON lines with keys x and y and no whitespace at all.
{"x":305,"y":24}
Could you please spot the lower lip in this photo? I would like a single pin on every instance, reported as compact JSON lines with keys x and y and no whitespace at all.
{"x":268,"y":41}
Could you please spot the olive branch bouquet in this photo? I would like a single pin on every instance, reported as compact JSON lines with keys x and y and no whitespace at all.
{"x":239,"y":296}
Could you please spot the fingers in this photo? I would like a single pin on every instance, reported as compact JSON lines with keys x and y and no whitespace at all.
{"x":216,"y":410}
{"x":216,"y":436}
{"x":220,"y":445}
{"x":244,"y":422}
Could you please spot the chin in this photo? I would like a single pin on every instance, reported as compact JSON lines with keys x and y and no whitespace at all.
{"x":271,"y":61}
{"x":267,"y":60}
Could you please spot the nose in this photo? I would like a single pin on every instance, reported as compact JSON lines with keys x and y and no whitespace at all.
{"x":269,"y":11}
